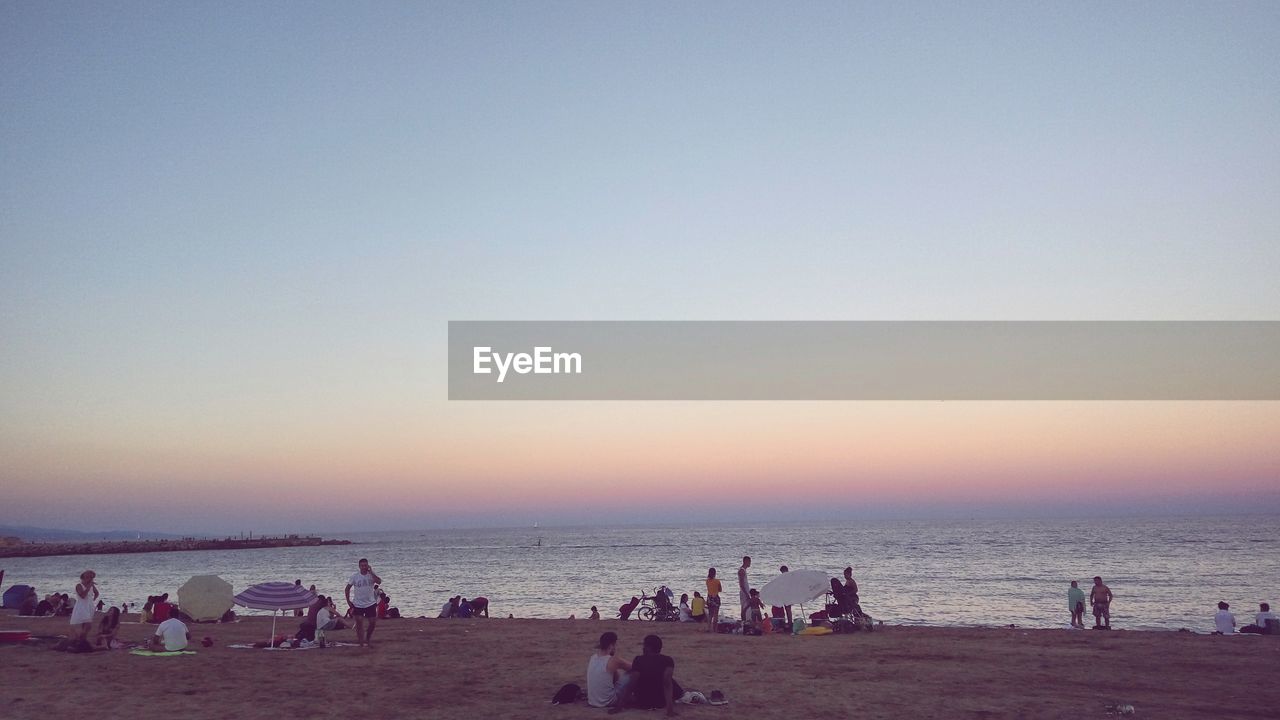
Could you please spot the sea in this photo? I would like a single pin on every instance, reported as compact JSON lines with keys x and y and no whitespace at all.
{"x":1166,"y":573}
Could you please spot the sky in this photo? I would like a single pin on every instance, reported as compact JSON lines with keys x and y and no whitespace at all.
{"x":232,"y":236}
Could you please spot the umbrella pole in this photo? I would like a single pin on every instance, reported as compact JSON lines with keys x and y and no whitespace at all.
{"x":272,"y":642}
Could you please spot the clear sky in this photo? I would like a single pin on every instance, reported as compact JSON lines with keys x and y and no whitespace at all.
{"x":231,"y":236}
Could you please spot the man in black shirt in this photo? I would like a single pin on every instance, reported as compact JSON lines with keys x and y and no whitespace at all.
{"x":652,"y":685}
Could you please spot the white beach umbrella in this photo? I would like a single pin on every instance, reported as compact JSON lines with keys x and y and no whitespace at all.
{"x":205,"y":598}
{"x":795,"y":588}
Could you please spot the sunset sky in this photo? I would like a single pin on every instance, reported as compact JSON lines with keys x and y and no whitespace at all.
{"x":232,"y":234}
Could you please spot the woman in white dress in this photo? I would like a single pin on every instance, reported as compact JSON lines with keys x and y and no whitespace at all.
{"x":86,"y":598}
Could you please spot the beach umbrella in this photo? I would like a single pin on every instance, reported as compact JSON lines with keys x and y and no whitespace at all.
{"x":795,"y":588}
{"x":205,"y":597}
{"x":275,"y":596}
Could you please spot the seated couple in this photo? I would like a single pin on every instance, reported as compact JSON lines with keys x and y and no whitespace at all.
{"x":645,"y":683}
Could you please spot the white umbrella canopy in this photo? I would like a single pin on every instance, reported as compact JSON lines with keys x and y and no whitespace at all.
{"x":205,"y":597}
{"x":795,"y":587}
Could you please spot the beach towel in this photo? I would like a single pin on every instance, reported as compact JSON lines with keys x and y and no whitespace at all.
{"x":164,"y":653}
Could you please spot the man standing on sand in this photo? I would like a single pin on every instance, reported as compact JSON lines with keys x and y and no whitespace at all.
{"x":364,"y":606}
{"x":744,"y":588}
{"x":1100,"y":597}
{"x":1075,"y":603}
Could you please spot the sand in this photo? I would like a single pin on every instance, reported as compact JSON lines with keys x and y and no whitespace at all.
{"x":501,"y":668}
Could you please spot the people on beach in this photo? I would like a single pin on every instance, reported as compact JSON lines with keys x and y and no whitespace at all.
{"x":449,"y":607}
{"x":364,"y":604}
{"x":744,"y":587}
{"x":1100,"y":597}
{"x":161,"y":610}
{"x":1265,"y":617}
{"x":607,"y":674}
{"x":783,"y":611}
{"x":713,"y":599}
{"x":29,"y":604}
{"x":45,"y":606}
{"x":86,"y":598}
{"x":595,"y":613}
{"x":298,"y":584}
{"x":1261,"y":621}
{"x":654,"y":685}
{"x":171,"y":635}
{"x":480,"y":606}
{"x":686,"y":612}
{"x":108,"y":627}
{"x":698,"y":608}
{"x":1075,"y":603}
{"x":1224,"y":621}
{"x":753,"y":622}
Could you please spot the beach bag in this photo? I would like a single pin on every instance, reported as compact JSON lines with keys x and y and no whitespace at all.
{"x":567,"y":694}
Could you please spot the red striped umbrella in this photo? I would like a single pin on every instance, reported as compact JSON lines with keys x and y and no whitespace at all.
{"x":275,"y":596}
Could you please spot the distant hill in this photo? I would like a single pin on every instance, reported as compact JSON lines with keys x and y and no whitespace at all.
{"x":38,"y":533}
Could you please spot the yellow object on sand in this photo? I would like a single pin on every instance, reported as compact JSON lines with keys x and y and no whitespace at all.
{"x":815,"y":631}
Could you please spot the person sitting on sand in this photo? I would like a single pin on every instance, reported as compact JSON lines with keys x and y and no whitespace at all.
{"x":1075,"y":603}
{"x":698,"y":607}
{"x":607,"y":674}
{"x":1100,"y":597}
{"x":162,"y":610}
{"x":109,"y":626}
{"x":64,"y":605}
{"x":595,"y":613}
{"x":654,"y":685}
{"x":447,"y":610}
{"x":44,"y":607}
{"x":1265,"y":617}
{"x":686,"y":612}
{"x":171,"y":635}
{"x":1224,"y":622}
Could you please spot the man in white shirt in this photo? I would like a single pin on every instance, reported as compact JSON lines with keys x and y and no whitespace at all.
{"x":172,"y":635}
{"x":1224,"y":622}
{"x":1264,"y":614}
{"x":364,"y":605}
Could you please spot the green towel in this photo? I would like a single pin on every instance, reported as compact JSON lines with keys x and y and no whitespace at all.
{"x":165,"y":653}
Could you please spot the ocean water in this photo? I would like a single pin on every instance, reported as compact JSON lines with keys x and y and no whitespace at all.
{"x":1166,"y":573}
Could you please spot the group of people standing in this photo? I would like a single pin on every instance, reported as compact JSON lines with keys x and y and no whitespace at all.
{"x":1100,"y":597}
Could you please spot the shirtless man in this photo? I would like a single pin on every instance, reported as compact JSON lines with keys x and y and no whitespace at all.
{"x":1100,"y":597}
{"x":744,"y":588}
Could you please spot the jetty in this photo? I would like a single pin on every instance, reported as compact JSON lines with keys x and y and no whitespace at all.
{"x":107,"y":547}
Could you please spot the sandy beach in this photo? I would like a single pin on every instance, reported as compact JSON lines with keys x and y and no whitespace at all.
{"x":502,"y":668}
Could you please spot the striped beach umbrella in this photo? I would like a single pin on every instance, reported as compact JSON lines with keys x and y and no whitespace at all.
{"x":275,"y":596}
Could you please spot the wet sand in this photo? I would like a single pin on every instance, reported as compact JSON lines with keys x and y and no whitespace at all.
{"x":502,"y":668}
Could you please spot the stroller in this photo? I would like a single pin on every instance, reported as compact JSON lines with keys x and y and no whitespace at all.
{"x":625,"y":610}
{"x":843,"y":610}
